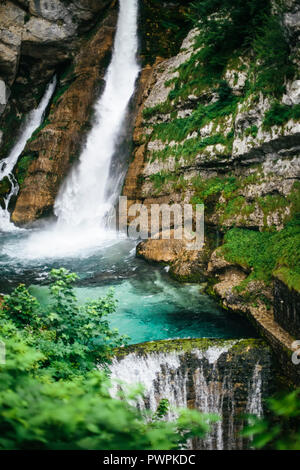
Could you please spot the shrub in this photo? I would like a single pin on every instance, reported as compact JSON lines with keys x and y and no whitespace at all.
{"x":71,"y":337}
{"x":281,"y":431}
{"x":265,"y":252}
{"x":272,"y":53}
{"x":225,"y":27}
{"x":52,"y":396}
{"x":279,"y":114}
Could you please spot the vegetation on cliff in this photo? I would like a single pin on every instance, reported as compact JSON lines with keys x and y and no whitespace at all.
{"x":162,"y":30}
{"x":224,"y":131}
{"x":229,"y":30}
{"x":264,"y":253}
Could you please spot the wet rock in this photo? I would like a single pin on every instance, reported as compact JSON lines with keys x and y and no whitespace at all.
{"x":58,"y":143}
{"x":292,"y":95}
{"x":11,"y":30}
{"x":224,"y":377}
{"x":4,"y":95}
{"x":287,"y":307}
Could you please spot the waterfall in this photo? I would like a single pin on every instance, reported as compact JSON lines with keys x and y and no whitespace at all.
{"x":33,"y":120}
{"x":83,"y":199}
{"x":254,"y":404}
{"x":89,"y":191}
{"x":214,"y":379}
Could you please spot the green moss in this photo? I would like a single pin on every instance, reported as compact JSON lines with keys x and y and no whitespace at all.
{"x":182,"y":346}
{"x":178,"y":129}
{"x":289,"y":277}
{"x":236,"y":206}
{"x":5,"y":186}
{"x":264,"y":253}
{"x":276,"y":203}
{"x":204,"y":188}
{"x":161,"y":108}
{"x":22,"y":167}
{"x":161,"y":178}
{"x":191,"y":148}
{"x":249,"y":344}
{"x":209,"y":190}
{"x":279,"y":114}
{"x":253,"y":131}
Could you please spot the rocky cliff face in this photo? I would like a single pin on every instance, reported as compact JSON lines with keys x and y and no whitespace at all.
{"x":72,"y":39}
{"x":53,"y":150}
{"x":37,"y":40}
{"x":43,"y":31}
{"x":234,"y":146}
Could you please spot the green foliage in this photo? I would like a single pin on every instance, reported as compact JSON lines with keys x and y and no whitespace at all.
{"x":162,"y":409}
{"x":75,"y":414}
{"x":279,"y":114}
{"x":191,"y":148}
{"x":264,"y":252}
{"x":214,"y":186}
{"x":225,"y":27}
{"x":21,"y":306}
{"x":162,"y":108}
{"x":59,"y":92}
{"x":228,"y":30}
{"x":162,"y":29}
{"x":71,"y":337}
{"x":282,"y":430}
{"x":22,"y":167}
{"x":273,"y":65}
{"x":178,"y":129}
{"x":160,"y":179}
{"x":253,"y":131}
{"x":52,"y":395}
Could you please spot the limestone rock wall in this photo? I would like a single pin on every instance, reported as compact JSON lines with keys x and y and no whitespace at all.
{"x":287,"y":307}
{"x":42,"y":29}
{"x":262,"y":163}
{"x":221,"y":146}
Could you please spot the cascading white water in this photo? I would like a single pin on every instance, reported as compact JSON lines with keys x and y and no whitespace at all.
{"x":32,"y":122}
{"x":203,"y":379}
{"x":82,"y":199}
{"x":254,"y":404}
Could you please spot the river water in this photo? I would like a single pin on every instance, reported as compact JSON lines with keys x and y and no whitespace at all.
{"x":151,"y":305}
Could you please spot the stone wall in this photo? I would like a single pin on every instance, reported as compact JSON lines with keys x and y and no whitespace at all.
{"x":287,"y":308}
{"x":223,"y":377}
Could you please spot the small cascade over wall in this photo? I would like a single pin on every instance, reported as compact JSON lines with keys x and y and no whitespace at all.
{"x":228,"y":378}
{"x":32,"y":122}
